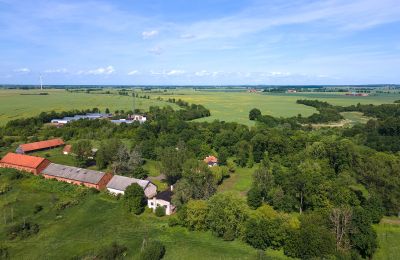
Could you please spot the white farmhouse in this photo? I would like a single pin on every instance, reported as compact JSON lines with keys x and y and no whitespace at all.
{"x":163,"y":199}
{"x":118,"y":184}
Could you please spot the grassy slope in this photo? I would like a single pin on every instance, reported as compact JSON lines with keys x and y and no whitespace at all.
{"x":99,"y":220}
{"x":388,"y":237}
{"x":13,"y":105}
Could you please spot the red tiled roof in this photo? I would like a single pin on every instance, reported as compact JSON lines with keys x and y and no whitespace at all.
{"x":67,"y":148}
{"x":22,"y":160}
{"x":211,"y":159}
{"x":41,"y":145}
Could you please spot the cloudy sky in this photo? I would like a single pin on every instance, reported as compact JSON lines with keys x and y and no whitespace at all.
{"x":200,"y":41}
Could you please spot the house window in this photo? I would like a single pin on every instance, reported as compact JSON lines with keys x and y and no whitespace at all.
{"x":151,"y":203}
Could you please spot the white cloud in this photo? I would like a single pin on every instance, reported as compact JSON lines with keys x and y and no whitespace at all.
{"x":99,"y":71}
{"x":133,"y":72}
{"x":205,"y":73}
{"x":63,"y":70}
{"x":22,"y":70}
{"x":149,"y":34}
{"x":168,"y":73}
{"x":156,"y":50}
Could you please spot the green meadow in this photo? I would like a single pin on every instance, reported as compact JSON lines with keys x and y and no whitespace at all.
{"x":224,"y":105}
{"x":95,"y":222}
{"x":388,"y":239}
{"x":235,"y":106}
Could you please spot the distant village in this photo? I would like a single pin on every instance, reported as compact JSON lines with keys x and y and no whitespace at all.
{"x":114,"y":184}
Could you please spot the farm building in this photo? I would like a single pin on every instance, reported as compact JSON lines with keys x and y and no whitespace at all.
{"x":77,"y":176}
{"x":211,"y":161}
{"x":90,"y":116}
{"x":67,"y":149}
{"x":39,"y":146}
{"x":118,"y":184}
{"x":25,"y":163}
{"x":163,"y":199}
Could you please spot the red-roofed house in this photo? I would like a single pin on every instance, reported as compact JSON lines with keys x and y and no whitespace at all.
{"x":38,"y":146}
{"x":211,"y":161}
{"x":25,"y":163}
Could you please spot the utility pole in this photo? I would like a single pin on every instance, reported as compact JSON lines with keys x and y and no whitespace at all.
{"x":41,"y":82}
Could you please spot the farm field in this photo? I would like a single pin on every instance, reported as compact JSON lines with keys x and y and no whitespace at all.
{"x":13,"y":105}
{"x":235,"y":106}
{"x":224,"y":105}
{"x":69,"y":232}
{"x":388,"y":239}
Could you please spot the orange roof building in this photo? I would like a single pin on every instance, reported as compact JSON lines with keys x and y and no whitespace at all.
{"x":25,"y":163}
{"x":211,"y":160}
{"x":38,"y":146}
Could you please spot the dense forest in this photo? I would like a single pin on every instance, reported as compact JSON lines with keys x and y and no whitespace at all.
{"x":315,"y":193}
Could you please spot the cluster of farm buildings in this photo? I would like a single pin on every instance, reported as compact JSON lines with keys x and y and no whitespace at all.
{"x":92,"y":116}
{"x":115,"y":184}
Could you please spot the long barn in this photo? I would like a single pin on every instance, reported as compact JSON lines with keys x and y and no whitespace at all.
{"x":77,"y":176}
{"x":25,"y":163}
{"x":39,"y":146}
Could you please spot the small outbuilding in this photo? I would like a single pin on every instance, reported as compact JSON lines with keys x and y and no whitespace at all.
{"x":77,"y":176}
{"x":118,"y":184}
{"x":211,"y":161}
{"x":163,"y":199}
{"x":39,"y":146}
{"x":25,"y":163}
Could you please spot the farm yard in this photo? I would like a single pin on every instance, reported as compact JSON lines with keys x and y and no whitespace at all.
{"x":69,"y":232}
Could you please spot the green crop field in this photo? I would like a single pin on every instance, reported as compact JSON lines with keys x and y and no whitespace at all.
{"x":14,"y":105}
{"x":97,"y":221}
{"x":235,"y":106}
{"x":224,"y":105}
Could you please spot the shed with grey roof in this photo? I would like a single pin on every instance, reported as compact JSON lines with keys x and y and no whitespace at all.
{"x":118,"y":184}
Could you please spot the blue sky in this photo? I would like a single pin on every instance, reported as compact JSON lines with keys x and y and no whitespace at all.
{"x":219,"y":42}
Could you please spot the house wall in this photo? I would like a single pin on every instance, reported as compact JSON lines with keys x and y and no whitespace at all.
{"x":89,"y":185}
{"x":154,"y":203}
{"x":104,"y":181}
{"x":20,"y":168}
{"x":42,"y":166}
{"x":115,"y":192}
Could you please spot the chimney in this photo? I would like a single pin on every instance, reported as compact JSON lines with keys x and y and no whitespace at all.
{"x":172,"y":187}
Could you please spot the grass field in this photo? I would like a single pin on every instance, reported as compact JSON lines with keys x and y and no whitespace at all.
{"x":235,"y":106}
{"x":388,"y":236}
{"x":239,"y":182}
{"x":14,"y":105}
{"x":97,"y":221}
{"x":226,"y":106}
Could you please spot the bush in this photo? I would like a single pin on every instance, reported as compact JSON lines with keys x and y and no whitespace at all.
{"x":22,"y":230}
{"x":173,"y":221}
{"x":37,"y":209}
{"x":160,"y":211}
{"x":4,"y":254}
{"x":115,"y":251}
{"x":134,"y":199}
{"x":153,"y":250}
{"x":254,"y":198}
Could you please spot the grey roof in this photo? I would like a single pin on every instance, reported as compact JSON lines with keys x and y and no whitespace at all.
{"x":73,"y":173}
{"x":121,"y":183}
